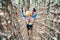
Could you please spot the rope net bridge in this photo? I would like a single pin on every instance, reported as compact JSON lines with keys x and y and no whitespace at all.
{"x":46,"y":24}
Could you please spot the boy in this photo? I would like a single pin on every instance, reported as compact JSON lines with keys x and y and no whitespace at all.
{"x":29,"y":19}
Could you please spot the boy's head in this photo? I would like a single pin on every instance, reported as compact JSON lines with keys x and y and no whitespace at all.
{"x":28,"y":13}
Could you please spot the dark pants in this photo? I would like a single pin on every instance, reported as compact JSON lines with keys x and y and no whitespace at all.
{"x":29,"y":27}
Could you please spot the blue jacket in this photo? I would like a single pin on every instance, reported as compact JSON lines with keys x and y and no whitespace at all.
{"x":33,"y":16}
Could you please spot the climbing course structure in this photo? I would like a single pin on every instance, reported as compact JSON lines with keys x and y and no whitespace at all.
{"x":46,"y":25}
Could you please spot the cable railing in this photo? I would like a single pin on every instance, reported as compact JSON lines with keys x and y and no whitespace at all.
{"x":13,"y":31}
{"x":51,"y":19}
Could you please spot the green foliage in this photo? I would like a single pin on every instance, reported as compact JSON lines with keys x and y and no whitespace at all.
{"x":58,"y":1}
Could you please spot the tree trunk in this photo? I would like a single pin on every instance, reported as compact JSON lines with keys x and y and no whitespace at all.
{"x":28,"y":5}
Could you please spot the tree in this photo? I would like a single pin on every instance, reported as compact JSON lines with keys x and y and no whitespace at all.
{"x":28,"y":5}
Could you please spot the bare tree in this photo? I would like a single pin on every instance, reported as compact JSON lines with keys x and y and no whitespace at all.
{"x":28,"y":5}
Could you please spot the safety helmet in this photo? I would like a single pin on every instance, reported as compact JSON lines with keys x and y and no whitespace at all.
{"x":28,"y":13}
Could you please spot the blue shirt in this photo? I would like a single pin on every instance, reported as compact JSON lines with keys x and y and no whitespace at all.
{"x":33,"y":16}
